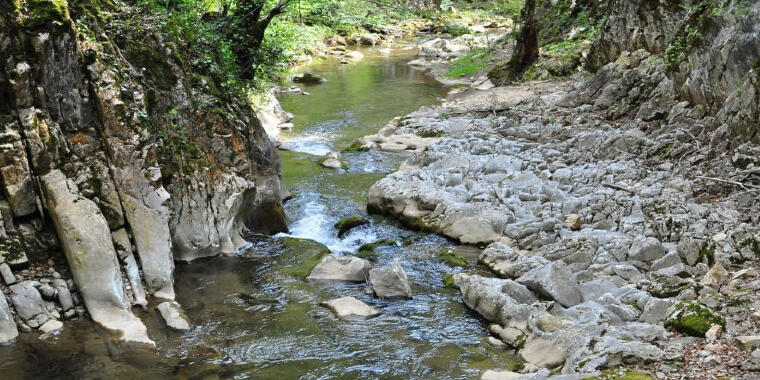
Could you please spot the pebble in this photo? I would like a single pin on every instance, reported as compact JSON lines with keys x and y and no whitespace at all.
{"x":713,"y":333}
{"x":51,"y":325}
{"x":496,"y":342}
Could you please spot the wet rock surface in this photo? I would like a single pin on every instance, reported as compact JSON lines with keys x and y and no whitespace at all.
{"x":350,"y":308}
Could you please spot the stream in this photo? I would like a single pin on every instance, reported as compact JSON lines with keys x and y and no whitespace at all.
{"x":255,"y":316}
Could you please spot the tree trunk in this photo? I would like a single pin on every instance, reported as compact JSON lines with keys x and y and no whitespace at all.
{"x":247,"y":29}
{"x":526,"y":50}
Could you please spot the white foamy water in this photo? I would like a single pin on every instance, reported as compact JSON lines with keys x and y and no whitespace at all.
{"x":315,"y":224}
{"x":310,"y":147}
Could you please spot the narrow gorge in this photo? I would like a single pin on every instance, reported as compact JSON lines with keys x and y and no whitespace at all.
{"x":383,"y":190}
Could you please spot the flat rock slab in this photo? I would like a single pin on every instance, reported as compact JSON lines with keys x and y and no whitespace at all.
{"x":341,"y":268}
{"x":350,"y":308}
{"x":492,"y":374}
{"x":51,"y":325}
{"x":543,"y":353}
{"x":173,"y":315}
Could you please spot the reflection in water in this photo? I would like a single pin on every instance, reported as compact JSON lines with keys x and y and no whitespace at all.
{"x":255,"y":316}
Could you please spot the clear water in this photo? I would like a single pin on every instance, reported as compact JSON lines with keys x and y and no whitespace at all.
{"x":255,"y":316}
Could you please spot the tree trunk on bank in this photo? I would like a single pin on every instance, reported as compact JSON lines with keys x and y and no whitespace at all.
{"x":526,"y":49}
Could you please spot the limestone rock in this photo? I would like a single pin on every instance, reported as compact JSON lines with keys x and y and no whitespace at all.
{"x":748,"y":342}
{"x":390,"y":282}
{"x":646,"y":249}
{"x":349,"y":308}
{"x":492,"y":374}
{"x":507,"y":262}
{"x":554,"y":281}
{"x":655,"y":310}
{"x":86,"y":241}
{"x":8,"y":329}
{"x":715,"y":277}
{"x":341,"y":268}
{"x":574,"y":222}
{"x":543,"y":353}
{"x":27,"y":300}
{"x":355,"y":55}
{"x":753,"y":363}
{"x":64,"y":299}
{"x":7,"y":274}
{"x":174,"y":316}
{"x":332,"y":163}
{"x":51,"y":325}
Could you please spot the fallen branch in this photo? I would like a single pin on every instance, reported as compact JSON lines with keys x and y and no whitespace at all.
{"x":728,"y":181}
{"x":618,"y":187}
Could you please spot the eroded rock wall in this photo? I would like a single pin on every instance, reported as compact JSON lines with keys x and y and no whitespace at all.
{"x":146,"y":149}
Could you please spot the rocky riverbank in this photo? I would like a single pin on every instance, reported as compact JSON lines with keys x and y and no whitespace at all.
{"x":618,"y":212}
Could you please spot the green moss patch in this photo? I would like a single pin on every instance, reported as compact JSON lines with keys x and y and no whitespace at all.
{"x":693,"y":318}
{"x":356,"y":146}
{"x":452,"y":259}
{"x":42,"y":12}
{"x":448,"y":281}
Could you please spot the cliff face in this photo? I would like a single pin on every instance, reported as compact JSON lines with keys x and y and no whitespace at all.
{"x":103,"y":123}
{"x":710,"y":57}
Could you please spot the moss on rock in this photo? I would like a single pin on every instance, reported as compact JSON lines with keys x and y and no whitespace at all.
{"x":370,"y":247}
{"x":452,"y":259}
{"x":346,"y":224}
{"x":693,"y":318}
{"x":300,"y":256}
{"x":43,"y":12}
{"x":448,"y":281}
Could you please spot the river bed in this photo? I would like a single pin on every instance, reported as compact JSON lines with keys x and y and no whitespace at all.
{"x":255,"y":316}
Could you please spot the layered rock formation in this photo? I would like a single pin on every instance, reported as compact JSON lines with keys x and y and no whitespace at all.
{"x":136,"y":161}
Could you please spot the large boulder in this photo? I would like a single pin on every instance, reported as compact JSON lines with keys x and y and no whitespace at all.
{"x":543,"y":353}
{"x":646,"y":249}
{"x":490,"y":298}
{"x":341,"y":268}
{"x":346,"y":224}
{"x":86,"y":241}
{"x":507,"y":262}
{"x":553,"y":281}
{"x":390,"y":281}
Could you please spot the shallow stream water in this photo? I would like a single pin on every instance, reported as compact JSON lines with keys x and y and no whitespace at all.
{"x":255,"y":315}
